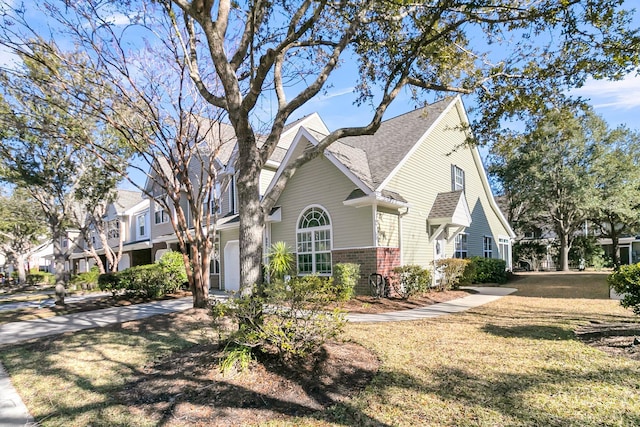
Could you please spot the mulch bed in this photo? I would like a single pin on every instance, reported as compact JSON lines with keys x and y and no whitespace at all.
{"x":615,"y":339}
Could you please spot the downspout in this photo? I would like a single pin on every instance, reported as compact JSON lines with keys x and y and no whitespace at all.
{"x":400,"y":216}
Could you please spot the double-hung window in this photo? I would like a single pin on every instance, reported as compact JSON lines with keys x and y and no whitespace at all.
{"x":457,"y":178}
{"x":461,"y":250}
{"x":313,"y":242}
{"x":487,"y":246}
{"x":141,"y":225}
{"x":161,"y":216}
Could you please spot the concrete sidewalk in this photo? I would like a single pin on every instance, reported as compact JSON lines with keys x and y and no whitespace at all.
{"x":13,"y":412}
{"x":482,"y":296}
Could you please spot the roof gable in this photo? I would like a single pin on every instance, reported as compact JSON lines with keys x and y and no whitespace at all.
{"x":394,"y":141}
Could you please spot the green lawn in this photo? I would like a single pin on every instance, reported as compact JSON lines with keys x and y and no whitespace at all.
{"x":514,"y":362}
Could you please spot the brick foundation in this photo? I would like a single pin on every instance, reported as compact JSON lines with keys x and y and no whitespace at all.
{"x":371,"y":260}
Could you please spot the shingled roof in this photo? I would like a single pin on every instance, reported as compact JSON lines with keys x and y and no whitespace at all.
{"x":373,"y":157}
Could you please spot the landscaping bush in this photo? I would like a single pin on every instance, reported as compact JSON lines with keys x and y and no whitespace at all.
{"x":147,"y":281}
{"x":626,"y":282}
{"x":489,"y":270}
{"x":172,"y":264}
{"x":345,"y":279}
{"x":288,"y":319}
{"x":109,"y":282}
{"x":452,"y":272}
{"x":86,"y":280}
{"x":36,"y":277}
{"x":410,"y":280}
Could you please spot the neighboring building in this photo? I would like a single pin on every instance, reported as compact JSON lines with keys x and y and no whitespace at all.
{"x":127,"y":218}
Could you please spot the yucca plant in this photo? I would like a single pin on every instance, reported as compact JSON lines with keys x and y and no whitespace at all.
{"x":281,"y":261}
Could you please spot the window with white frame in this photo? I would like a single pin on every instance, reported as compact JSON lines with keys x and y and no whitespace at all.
{"x":161,"y":216}
{"x":214,"y":206}
{"x":313,"y":242}
{"x":113,"y":229}
{"x":141,"y":224}
{"x":461,"y":250}
{"x":503,"y":248}
{"x":233,"y":196}
{"x":214,"y":266}
{"x":457,"y":178}
{"x":487,"y":246}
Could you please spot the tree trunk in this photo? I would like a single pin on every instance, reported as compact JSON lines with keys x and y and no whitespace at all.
{"x":563,"y":258}
{"x":59,"y":259}
{"x":200,"y":267}
{"x":252,"y":222}
{"x":22,"y":274}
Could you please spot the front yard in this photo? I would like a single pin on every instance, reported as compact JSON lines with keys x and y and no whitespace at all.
{"x":513,"y":362}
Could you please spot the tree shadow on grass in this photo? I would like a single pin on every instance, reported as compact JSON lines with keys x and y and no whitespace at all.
{"x":538,"y":332}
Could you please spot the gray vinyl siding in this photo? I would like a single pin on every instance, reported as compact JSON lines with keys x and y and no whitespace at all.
{"x":321,"y":183}
{"x":428,"y":172}
{"x":158,"y":229}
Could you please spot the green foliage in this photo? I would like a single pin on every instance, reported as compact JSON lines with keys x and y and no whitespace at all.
{"x":626,"y":282}
{"x":87,"y":280}
{"x":529,"y":252}
{"x":147,"y":281}
{"x":489,"y":270}
{"x":281,"y":261}
{"x":109,"y":282}
{"x":587,"y":247}
{"x":410,"y":280}
{"x":289,"y":319}
{"x":40,"y":278}
{"x":452,"y":272}
{"x":345,"y":279}
{"x":172,"y":265}
{"x":236,"y":357}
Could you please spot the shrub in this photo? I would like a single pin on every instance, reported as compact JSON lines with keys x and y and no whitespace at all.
{"x":109,"y":282}
{"x":36,"y":277}
{"x":147,"y":281}
{"x":281,"y":261}
{"x":172,"y":265}
{"x":87,"y":280}
{"x":410,"y":280}
{"x":489,"y":270}
{"x":345,"y":279}
{"x":452,"y":272}
{"x":626,"y":282}
{"x":289,"y":319}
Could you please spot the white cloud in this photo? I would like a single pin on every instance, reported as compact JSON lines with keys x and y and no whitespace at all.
{"x":118,"y":18}
{"x":621,"y":94}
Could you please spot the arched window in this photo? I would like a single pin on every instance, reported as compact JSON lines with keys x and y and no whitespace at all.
{"x":313,"y":238}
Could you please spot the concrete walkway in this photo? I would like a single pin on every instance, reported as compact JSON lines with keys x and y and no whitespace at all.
{"x":13,"y":412}
{"x":482,"y":296}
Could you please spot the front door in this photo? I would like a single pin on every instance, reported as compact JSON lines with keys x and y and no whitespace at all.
{"x":232,"y":266}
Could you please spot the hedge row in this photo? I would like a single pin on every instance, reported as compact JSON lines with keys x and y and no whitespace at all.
{"x":167,"y":275}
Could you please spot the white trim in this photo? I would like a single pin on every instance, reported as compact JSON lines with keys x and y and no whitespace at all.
{"x":417,"y":145}
{"x":362,"y":247}
{"x":311,"y":230}
{"x":304,"y":134}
